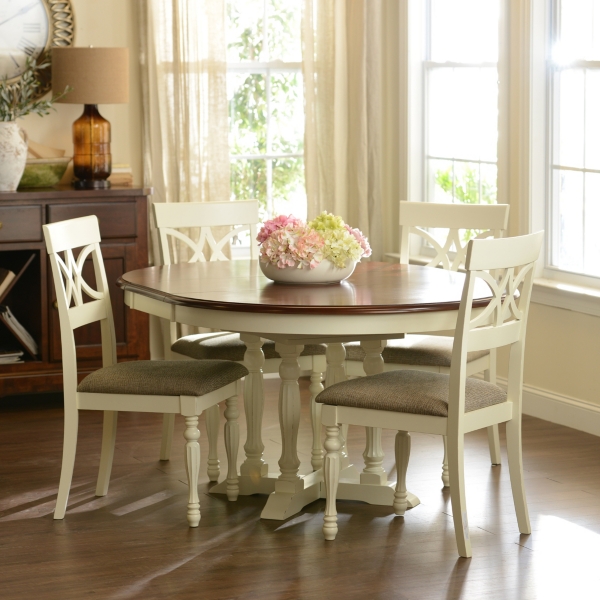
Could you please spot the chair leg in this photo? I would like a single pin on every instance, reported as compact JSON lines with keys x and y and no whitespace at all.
{"x":167,"y":436}
{"x":445,"y":473}
{"x":232,"y":442}
{"x":212,"y":432}
{"x":402,"y":456}
{"x":192,"y":465}
{"x":515,"y":466}
{"x":457,"y":494}
{"x":331,"y":473}
{"x":493,"y":435}
{"x":68,"y":461}
{"x":494,"y":443}
{"x":109,"y":434}
{"x":316,"y":387}
{"x":169,"y":335}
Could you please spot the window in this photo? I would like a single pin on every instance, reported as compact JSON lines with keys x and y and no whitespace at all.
{"x":461,"y":101}
{"x":574,"y":123}
{"x":266,"y":108}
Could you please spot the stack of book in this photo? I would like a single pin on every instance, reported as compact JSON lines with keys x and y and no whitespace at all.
{"x":121,"y":175}
{"x":8,"y":357}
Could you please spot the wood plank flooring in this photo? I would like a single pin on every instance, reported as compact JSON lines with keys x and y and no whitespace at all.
{"x":135,"y":543}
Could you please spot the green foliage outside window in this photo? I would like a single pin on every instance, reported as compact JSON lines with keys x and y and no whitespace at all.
{"x":466,"y":189}
{"x":248,"y":107}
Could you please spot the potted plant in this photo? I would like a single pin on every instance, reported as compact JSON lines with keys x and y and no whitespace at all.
{"x":17,"y":101}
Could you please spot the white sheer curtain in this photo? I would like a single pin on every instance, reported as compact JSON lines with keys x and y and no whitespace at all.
{"x":186,"y":149}
{"x":342,"y":64}
{"x":184,"y":78}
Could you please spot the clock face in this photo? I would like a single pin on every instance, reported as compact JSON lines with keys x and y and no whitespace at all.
{"x":24,"y":32}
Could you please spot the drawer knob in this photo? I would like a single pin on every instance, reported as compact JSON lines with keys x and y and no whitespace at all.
{"x":0,"y":224}
{"x":55,"y":304}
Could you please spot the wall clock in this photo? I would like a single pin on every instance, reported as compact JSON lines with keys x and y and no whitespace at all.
{"x":29,"y":28}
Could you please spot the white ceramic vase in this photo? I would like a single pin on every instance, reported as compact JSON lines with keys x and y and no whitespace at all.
{"x":13,"y":155}
{"x":324,"y":272}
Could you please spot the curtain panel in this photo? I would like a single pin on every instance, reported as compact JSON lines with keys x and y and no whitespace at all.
{"x":342,"y":67}
{"x":184,"y":76}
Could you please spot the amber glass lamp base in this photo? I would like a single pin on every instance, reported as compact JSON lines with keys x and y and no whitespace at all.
{"x":92,"y":161}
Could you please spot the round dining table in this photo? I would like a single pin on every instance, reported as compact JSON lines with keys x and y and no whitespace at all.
{"x":379,"y":301}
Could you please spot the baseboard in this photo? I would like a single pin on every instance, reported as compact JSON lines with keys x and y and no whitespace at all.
{"x":559,"y":409}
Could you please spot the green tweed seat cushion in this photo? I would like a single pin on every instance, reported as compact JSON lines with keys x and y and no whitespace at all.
{"x":415,"y":392}
{"x":228,"y":346}
{"x":163,"y":377}
{"x":424,"y":350}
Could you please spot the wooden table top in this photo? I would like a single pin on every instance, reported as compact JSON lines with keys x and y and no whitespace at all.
{"x":240,"y":286}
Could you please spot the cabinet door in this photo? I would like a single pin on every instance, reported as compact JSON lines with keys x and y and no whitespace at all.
{"x":131,"y":327}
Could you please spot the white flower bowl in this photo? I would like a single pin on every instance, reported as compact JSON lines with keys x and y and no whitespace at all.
{"x":324,"y":272}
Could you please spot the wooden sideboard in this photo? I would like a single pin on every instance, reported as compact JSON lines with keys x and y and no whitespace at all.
{"x":123,"y":217}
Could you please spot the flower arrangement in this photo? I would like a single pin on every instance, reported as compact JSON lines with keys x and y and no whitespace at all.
{"x":290,"y":242}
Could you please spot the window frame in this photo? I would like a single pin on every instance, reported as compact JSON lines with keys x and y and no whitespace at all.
{"x":267,"y":69}
{"x":522,"y":159}
{"x":550,"y":270}
{"x":414,"y":27}
{"x":427,"y":65}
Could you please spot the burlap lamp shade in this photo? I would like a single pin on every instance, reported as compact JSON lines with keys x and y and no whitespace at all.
{"x":96,"y":76}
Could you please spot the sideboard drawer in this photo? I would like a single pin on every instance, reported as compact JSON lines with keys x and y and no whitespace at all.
{"x":20,"y":223}
{"x":117,"y":219}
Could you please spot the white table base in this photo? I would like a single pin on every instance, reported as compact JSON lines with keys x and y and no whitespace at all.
{"x":288,"y":491}
{"x":287,"y":501}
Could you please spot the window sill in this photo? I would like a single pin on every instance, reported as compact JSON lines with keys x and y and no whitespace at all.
{"x":567,"y":296}
{"x":550,"y":292}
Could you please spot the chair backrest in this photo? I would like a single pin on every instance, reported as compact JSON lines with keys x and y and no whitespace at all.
{"x":237,"y":217}
{"x":503,"y":322}
{"x":72,"y":289}
{"x":489,"y":220}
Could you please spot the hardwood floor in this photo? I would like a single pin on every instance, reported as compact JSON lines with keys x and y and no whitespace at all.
{"x":135,"y":543}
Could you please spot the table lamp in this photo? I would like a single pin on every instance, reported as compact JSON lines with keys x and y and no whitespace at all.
{"x":96,"y":76}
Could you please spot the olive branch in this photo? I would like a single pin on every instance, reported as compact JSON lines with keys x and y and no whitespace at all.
{"x":19,"y":100}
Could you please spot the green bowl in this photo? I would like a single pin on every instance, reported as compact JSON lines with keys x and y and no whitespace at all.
{"x":43,"y":172}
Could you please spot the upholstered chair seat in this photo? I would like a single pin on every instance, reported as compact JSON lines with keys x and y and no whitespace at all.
{"x":423,"y":350}
{"x":415,"y":392}
{"x":229,"y":346}
{"x":163,"y":378}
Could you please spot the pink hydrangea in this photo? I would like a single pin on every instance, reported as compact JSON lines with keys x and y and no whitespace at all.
{"x":293,"y":247}
{"x":275,"y":224}
{"x":361,"y":239}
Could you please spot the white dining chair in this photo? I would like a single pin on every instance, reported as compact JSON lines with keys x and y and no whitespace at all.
{"x":175,"y":387}
{"x":433,"y":352}
{"x":217,"y":224}
{"x":451,"y":404}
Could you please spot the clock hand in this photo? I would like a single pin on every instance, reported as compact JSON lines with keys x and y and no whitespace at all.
{"x":14,"y":60}
{"x":20,"y":12}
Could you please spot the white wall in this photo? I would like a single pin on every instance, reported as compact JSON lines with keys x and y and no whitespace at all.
{"x":105,"y":23}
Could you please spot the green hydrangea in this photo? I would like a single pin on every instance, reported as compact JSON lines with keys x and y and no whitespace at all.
{"x":326,"y":222}
{"x":340,"y":244}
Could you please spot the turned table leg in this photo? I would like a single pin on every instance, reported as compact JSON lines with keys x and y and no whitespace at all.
{"x":289,"y":412}
{"x":373,"y":473}
{"x":254,"y":400}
